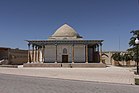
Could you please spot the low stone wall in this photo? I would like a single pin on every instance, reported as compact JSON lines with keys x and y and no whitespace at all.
{"x":42,"y":65}
{"x":9,"y":66}
{"x":88,"y":65}
{"x":68,"y":65}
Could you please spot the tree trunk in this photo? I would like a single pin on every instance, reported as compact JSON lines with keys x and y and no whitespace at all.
{"x":116,"y":63}
{"x":128,"y":63}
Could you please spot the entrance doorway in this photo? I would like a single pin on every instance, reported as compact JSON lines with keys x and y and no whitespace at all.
{"x":64,"y":58}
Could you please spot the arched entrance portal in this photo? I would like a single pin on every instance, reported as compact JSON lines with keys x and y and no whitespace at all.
{"x":65,"y":56}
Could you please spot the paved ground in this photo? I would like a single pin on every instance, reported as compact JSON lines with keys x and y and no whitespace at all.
{"x":25,"y":84}
{"x":109,"y":74}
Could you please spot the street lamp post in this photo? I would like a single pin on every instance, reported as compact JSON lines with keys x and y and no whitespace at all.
{"x":137,"y":43}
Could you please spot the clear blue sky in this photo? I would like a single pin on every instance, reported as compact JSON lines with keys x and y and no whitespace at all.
{"x":109,"y":20}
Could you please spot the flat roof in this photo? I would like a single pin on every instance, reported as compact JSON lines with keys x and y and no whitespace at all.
{"x":50,"y":42}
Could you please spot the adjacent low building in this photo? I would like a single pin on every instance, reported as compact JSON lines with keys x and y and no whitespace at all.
{"x":13,"y":56}
{"x":108,"y":60}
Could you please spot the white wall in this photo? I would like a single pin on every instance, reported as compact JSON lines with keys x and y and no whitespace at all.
{"x":79,"y":53}
{"x":60,"y":52}
{"x":50,"y":53}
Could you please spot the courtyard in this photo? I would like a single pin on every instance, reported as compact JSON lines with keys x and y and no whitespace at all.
{"x":109,"y":74}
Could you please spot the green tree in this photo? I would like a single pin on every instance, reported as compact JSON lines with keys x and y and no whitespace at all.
{"x":135,"y":34}
{"x":133,"y":47}
{"x":127,"y":57}
{"x":117,"y":57}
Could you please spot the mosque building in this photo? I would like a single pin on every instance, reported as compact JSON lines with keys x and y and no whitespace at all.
{"x":65,"y":46}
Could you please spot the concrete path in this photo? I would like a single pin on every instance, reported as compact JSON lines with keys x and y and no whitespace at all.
{"x":110,"y":74}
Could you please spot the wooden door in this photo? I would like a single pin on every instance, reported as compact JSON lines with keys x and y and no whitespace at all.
{"x":64,"y":58}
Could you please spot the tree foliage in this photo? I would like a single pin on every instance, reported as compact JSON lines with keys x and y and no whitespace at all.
{"x":117,"y":57}
{"x":133,"y":47}
{"x":122,"y":57}
{"x":135,"y":34}
{"x":127,"y":57}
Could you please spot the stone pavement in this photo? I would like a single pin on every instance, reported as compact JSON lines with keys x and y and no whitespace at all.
{"x":110,"y":74}
{"x":25,"y":84}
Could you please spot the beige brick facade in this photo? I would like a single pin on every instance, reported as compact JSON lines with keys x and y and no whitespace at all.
{"x":13,"y":56}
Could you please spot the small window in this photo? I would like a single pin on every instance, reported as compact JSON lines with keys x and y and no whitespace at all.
{"x":64,"y":51}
